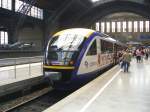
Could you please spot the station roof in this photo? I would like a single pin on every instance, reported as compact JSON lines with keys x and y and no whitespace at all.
{"x":88,"y":11}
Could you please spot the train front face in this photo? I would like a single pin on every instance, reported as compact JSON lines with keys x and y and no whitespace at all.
{"x":61,"y":54}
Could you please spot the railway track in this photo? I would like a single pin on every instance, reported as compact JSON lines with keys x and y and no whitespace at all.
{"x":43,"y":102}
{"x":35,"y":102}
{"x":7,"y":106}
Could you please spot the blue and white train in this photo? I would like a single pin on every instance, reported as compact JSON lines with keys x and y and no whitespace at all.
{"x":77,"y":54}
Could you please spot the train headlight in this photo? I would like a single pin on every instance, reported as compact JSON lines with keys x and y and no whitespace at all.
{"x":71,"y":62}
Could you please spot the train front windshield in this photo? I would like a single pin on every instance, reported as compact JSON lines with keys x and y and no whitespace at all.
{"x":63,"y":49}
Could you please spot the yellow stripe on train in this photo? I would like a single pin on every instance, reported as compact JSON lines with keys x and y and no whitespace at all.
{"x":80,"y":31}
{"x":60,"y":67}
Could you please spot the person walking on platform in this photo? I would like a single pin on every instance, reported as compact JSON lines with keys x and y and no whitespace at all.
{"x":126,"y":60}
{"x":146,"y":54}
{"x":142,"y":54}
{"x":138,"y":55}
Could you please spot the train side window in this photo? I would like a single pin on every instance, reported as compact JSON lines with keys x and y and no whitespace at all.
{"x":106,"y":47}
{"x":93,"y":49}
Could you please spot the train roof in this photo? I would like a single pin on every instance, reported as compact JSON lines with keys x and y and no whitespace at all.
{"x":112,"y":40}
{"x":80,"y":31}
{"x":86,"y":33}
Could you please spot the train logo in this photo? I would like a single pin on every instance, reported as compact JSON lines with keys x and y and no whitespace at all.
{"x":86,"y":64}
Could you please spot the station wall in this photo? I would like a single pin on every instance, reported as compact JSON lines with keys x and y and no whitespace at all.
{"x":34,"y":34}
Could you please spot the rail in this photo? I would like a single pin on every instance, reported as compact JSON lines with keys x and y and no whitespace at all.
{"x":20,"y":60}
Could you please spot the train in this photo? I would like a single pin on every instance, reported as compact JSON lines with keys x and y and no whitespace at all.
{"x":76,"y":55}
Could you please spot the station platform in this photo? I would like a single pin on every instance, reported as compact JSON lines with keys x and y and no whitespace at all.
{"x":18,"y":73}
{"x":113,"y":91}
{"x":17,"y":69}
{"x":11,"y":74}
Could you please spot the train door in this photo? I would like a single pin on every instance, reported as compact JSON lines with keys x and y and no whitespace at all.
{"x":106,"y":57}
{"x":115,"y":57}
{"x":89,"y":60}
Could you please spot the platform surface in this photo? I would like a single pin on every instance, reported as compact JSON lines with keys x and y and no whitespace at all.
{"x":114,"y":91}
{"x":12,"y":74}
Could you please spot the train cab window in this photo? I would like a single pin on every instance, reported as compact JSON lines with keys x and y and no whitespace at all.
{"x":64,"y":48}
{"x":92,"y":49}
{"x":106,"y":47}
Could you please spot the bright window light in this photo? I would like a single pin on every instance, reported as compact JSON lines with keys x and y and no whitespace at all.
{"x":34,"y":12}
{"x":147,"y":26}
{"x":6,"y":4}
{"x":135,"y":26}
{"x":141,"y":26}
{"x":118,"y":26}
{"x":124,"y":26}
{"x":129,"y":26}
{"x":94,"y":0}
{"x":113,"y":25}
{"x":102,"y":27}
{"x":3,"y":38}
{"x":97,"y":26}
{"x":107,"y":26}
